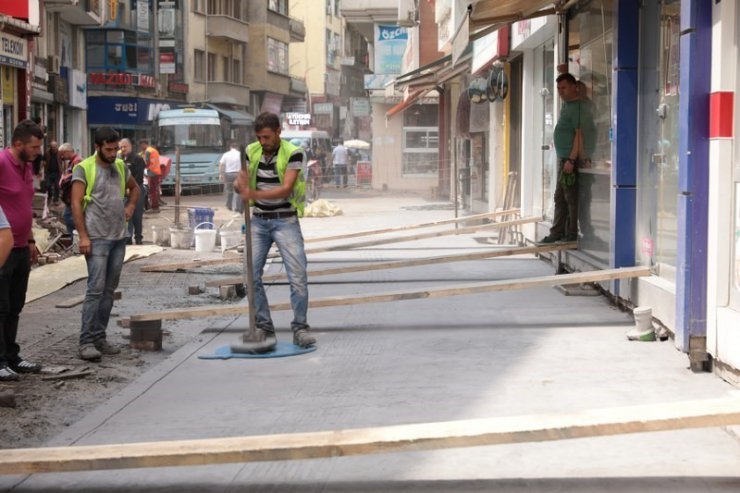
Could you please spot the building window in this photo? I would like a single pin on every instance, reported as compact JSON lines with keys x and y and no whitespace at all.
{"x":230,"y":8}
{"x":113,"y":50}
{"x":211,"y":69}
{"x":277,"y":56}
{"x":279,"y":6}
{"x":225,"y":67}
{"x":236,"y":71}
{"x":420,"y":150}
{"x":199,"y":69}
{"x":199,"y":6}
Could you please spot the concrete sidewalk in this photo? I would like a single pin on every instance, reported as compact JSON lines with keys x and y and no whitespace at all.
{"x":475,"y":356}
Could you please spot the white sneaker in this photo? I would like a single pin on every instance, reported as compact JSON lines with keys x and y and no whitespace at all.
{"x":8,"y":375}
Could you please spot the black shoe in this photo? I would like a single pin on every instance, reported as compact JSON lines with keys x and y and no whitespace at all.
{"x":570,"y":238}
{"x":549,"y":240}
{"x":23,"y":366}
{"x":128,"y":241}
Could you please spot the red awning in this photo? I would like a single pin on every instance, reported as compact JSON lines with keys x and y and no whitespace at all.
{"x":405,"y":103}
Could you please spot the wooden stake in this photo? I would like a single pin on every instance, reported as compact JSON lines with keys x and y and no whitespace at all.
{"x":400,"y":264}
{"x":349,"y":246}
{"x":505,"y":285}
{"x":454,"y":220}
{"x":376,"y":440}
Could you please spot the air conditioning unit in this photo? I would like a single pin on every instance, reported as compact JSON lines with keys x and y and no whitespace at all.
{"x":52,"y":64}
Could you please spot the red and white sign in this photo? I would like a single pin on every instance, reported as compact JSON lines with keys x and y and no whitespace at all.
{"x":122,"y":79}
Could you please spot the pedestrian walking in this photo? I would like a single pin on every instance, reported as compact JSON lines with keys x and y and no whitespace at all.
{"x":69,"y":160}
{"x":153,"y":172}
{"x":52,"y":172}
{"x":339,"y":162}
{"x":230,"y":165}
{"x":16,"y":200}
{"x":276,"y":187}
{"x":99,"y":186}
{"x":136,"y":167}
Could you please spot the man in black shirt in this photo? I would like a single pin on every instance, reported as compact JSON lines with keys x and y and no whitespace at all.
{"x":136,"y":165}
{"x":52,"y":171}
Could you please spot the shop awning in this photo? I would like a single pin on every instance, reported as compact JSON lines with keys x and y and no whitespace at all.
{"x":433,"y":74}
{"x":489,"y":12}
{"x":237,"y":117}
{"x":413,"y":97}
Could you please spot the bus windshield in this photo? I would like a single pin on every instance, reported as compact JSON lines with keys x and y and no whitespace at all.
{"x":189,"y":136}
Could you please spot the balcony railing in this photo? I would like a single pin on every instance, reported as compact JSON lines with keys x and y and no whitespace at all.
{"x":297,"y":30}
{"x":222,"y":26}
{"x":228,"y":92}
{"x":77,"y":12}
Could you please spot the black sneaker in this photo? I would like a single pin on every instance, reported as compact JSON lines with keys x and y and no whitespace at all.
{"x":549,"y":240}
{"x":23,"y":366}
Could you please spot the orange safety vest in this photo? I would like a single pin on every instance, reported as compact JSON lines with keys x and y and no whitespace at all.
{"x":153,"y":165}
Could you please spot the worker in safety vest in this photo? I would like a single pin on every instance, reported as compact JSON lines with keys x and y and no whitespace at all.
{"x":100,"y":185}
{"x":153,"y":172}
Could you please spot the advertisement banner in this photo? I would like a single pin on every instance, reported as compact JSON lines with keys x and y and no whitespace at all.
{"x":77,"y":89}
{"x":390,"y":44}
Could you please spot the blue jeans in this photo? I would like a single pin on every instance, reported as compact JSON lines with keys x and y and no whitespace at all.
{"x":340,"y":175}
{"x":68,"y":220}
{"x":286,"y":234}
{"x":233,"y":200}
{"x":104,"y":266}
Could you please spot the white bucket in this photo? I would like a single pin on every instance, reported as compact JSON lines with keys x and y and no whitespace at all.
{"x":161,"y":235}
{"x":181,"y":238}
{"x":643,"y":318}
{"x":230,"y":238}
{"x":205,"y":239}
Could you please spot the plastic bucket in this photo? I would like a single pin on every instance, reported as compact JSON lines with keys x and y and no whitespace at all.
{"x":230,"y":238}
{"x":643,"y":318}
{"x":205,"y":239}
{"x":181,"y":238}
{"x":161,"y":235}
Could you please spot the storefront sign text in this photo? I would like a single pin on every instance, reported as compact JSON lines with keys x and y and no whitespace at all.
{"x":122,"y":79}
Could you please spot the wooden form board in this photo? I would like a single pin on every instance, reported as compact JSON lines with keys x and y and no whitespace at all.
{"x":476,"y":217}
{"x":463,"y":289}
{"x":376,"y":440}
{"x":399,"y":264}
{"x":348,"y":246}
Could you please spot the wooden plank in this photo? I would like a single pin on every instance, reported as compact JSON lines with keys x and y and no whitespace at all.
{"x":463,"y":289}
{"x":400,"y":264}
{"x":381,"y":439}
{"x":347,"y":246}
{"x":454,"y":220}
{"x":76,"y":300}
{"x":190,"y":265}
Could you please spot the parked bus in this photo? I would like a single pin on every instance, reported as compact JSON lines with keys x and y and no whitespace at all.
{"x":202,"y":135}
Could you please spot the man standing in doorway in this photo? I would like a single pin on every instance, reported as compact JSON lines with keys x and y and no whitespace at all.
{"x":99,"y":185}
{"x":340,"y":161}
{"x":276,"y":186}
{"x":568,"y":140}
{"x":16,"y":200}
{"x":230,"y":166}
{"x":52,"y":172}
{"x":154,"y":172}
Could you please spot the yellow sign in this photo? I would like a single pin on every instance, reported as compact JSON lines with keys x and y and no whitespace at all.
{"x":112,"y":9}
{"x":8,"y":75}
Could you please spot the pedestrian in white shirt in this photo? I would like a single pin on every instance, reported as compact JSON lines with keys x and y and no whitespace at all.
{"x":229,"y":170}
{"x":339,"y":161}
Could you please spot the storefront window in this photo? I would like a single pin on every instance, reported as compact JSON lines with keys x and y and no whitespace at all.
{"x":420,"y":140}
{"x":657,"y":199}
{"x":590,"y":42}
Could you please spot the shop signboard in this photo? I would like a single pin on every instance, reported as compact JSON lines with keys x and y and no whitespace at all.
{"x":113,"y":110}
{"x":77,"y":89}
{"x":13,"y":51}
{"x":390,"y":44}
{"x":323,"y":108}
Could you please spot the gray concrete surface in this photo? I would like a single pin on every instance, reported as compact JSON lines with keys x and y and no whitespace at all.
{"x":477,"y":356}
